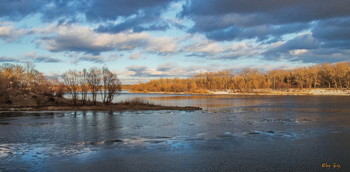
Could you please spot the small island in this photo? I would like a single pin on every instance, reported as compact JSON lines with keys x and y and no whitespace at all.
{"x":35,"y":102}
{"x":26,"y":89}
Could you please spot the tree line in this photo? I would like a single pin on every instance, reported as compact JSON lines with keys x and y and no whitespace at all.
{"x":23,"y":78}
{"x":327,"y":75}
{"x":26,"y":79}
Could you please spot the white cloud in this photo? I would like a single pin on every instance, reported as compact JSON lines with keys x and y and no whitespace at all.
{"x":162,"y":45}
{"x":201,"y":46}
{"x":298,"y":52}
{"x":134,"y":56}
{"x":84,"y":39}
{"x":9,"y":33}
{"x":40,"y":58}
{"x":205,"y":46}
{"x":91,"y":58}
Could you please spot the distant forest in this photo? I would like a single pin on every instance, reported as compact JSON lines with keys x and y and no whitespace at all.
{"x":327,"y":75}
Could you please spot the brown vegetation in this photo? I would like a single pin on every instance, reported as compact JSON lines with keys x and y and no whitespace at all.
{"x":21,"y":80}
{"x":27,"y":80}
{"x":24,"y":88}
{"x":126,"y":87}
{"x":16,"y":79}
{"x":248,"y":80}
{"x":29,"y":102}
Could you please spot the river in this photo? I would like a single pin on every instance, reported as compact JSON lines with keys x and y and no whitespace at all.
{"x":231,"y":133}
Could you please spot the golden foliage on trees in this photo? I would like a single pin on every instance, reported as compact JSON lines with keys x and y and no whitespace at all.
{"x":17,"y":79}
{"x":23,"y":78}
{"x":319,"y":76}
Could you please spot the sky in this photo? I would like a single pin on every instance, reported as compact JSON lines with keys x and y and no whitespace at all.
{"x":148,"y":39}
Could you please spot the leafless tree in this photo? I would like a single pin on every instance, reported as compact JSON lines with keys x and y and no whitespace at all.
{"x":72,"y":83}
{"x":57,"y":87}
{"x":94,"y":80}
{"x":30,"y":74}
{"x":84,"y":87}
{"x":110,"y":85}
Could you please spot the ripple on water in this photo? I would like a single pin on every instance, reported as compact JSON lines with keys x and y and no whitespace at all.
{"x":225,"y":135}
{"x":5,"y":150}
{"x":273,"y":134}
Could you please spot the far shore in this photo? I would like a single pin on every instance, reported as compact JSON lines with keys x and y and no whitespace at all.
{"x":270,"y":92}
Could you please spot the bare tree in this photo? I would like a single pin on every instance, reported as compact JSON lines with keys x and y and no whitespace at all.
{"x":57,"y":87}
{"x":314,"y":74}
{"x":110,"y":85}
{"x":341,"y":70}
{"x":84,"y":87}
{"x":40,"y":84}
{"x":72,"y":83}
{"x":327,"y":73}
{"x":94,"y":80}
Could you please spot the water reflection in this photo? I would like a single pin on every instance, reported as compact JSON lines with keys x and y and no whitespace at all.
{"x":229,"y":126}
{"x":207,"y":102}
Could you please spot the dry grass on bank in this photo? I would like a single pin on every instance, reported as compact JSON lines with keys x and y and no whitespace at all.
{"x":20,"y":101}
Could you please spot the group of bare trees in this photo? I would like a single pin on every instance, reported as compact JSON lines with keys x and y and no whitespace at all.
{"x":319,"y":76}
{"x":93,"y":81}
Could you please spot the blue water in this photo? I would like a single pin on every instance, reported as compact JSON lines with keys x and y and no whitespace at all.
{"x":231,"y":133}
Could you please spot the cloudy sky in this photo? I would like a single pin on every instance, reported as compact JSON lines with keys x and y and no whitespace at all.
{"x":147,"y":39}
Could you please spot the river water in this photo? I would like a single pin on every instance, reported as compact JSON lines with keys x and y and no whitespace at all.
{"x":231,"y":133}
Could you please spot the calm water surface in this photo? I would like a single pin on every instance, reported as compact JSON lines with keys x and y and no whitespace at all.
{"x":231,"y":133}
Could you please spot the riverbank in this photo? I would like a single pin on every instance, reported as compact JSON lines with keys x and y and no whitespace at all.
{"x":32,"y":102}
{"x":271,"y":92}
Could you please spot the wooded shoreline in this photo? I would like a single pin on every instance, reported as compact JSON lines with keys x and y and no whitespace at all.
{"x":24,"y":88}
{"x":326,"y":76}
{"x":262,"y":92}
